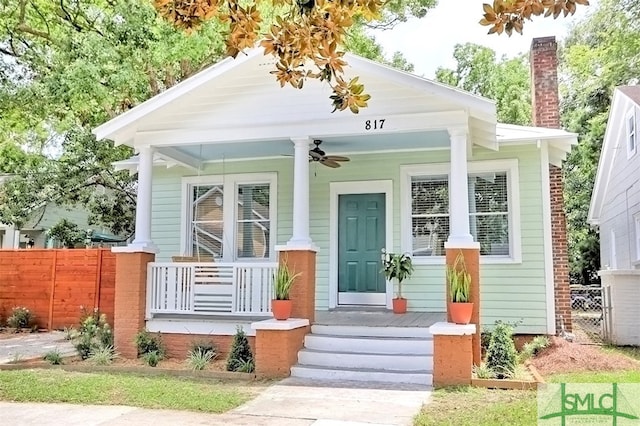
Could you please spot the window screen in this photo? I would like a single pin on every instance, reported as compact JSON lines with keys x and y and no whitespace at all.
{"x":206,"y":220}
{"x":429,"y":214}
{"x":252,"y":221}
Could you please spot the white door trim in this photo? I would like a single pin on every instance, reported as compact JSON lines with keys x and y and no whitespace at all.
{"x":356,"y":187}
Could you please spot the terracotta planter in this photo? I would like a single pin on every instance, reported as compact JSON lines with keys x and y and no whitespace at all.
{"x":460,"y":312}
{"x":399,"y":306}
{"x":281,"y":309}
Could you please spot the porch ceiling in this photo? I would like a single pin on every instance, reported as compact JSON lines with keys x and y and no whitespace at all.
{"x":332,"y":145}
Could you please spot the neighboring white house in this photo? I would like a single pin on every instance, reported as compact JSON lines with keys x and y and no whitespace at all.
{"x":428,"y":165}
{"x":615,"y":210}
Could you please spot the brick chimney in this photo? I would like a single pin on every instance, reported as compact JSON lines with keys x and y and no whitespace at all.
{"x":546,"y":113}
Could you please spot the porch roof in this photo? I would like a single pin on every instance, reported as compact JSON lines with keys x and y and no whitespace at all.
{"x":239,"y":102}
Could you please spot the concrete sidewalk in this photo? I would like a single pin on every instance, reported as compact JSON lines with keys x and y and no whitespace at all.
{"x":291,"y":402}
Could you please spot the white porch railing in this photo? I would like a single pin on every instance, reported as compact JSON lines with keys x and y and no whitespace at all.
{"x":210,"y":288}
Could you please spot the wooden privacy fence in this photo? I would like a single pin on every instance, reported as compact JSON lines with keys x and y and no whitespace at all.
{"x":55,"y":284}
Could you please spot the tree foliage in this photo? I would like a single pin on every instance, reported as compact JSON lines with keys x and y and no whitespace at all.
{"x":506,"y":81}
{"x":593,"y":62}
{"x":308,"y":36}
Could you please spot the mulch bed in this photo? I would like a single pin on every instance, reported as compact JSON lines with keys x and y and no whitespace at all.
{"x":567,"y":357}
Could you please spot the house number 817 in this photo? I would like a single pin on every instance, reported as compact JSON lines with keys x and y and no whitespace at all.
{"x":374,"y":124}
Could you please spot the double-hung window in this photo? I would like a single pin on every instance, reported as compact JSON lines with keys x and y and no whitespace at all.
{"x":493,"y":209}
{"x":230,"y":217}
{"x":632,"y":133}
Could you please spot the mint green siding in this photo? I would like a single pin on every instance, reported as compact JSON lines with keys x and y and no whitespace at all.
{"x":511,"y":292}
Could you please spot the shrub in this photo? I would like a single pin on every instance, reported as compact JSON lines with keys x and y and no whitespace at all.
{"x":102,"y":356}
{"x":54,"y":357}
{"x":483,"y":371}
{"x":147,"y":343}
{"x":240,"y":357}
{"x":199,"y":358}
{"x":204,"y":346}
{"x":501,"y":355}
{"x":533,"y":348}
{"x":93,"y":334}
{"x":21,"y":317}
{"x":152,"y":358}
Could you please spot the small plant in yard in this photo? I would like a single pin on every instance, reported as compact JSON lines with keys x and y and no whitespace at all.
{"x":204,"y":346}
{"x":147,"y":342}
{"x":94,"y":333}
{"x":240,"y":357}
{"x":102,"y":356}
{"x":483,"y":371}
{"x":152,"y":358}
{"x":70,"y":333}
{"x":502,"y":354}
{"x":20,"y":317}
{"x":533,"y":348}
{"x":199,"y":358}
{"x":53,"y":357}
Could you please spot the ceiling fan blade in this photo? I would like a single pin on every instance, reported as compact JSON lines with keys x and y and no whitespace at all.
{"x":316,"y":156}
{"x":337,"y":158}
{"x":329,"y":163}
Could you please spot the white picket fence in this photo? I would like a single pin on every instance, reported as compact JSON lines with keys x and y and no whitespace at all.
{"x":210,"y":288}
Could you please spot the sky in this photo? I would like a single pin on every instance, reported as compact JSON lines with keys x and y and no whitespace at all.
{"x":428,"y":42}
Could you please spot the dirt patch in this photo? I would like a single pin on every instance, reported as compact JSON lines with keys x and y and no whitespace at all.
{"x":567,"y":357}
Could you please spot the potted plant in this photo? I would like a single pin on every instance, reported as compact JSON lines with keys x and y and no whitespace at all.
{"x":459,"y":281}
{"x":283,"y":281}
{"x":400,"y":267}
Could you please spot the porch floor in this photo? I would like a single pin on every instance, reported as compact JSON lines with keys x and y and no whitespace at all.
{"x":378,"y":318}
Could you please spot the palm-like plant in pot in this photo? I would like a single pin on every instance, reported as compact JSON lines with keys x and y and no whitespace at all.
{"x":459,"y":282}
{"x":399,"y":267}
{"x":283,"y":281}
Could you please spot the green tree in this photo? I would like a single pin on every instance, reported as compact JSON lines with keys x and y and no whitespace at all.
{"x":593,"y":63}
{"x":506,"y":80}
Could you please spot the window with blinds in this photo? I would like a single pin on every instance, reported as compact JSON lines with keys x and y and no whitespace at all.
{"x":429,"y":214}
{"x":489,"y":212}
{"x":207,"y":223}
{"x":252,"y":221}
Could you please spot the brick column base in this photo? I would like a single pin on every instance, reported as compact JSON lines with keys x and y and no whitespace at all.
{"x":472,"y":262}
{"x":130,"y":300}
{"x":452,"y":354}
{"x":303,"y":292}
{"x":277,"y":346}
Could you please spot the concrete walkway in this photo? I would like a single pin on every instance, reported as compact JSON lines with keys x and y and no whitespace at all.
{"x":291,"y":402}
{"x":33,"y":345}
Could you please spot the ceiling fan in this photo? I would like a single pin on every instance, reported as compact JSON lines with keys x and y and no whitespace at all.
{"x":319,"y":156}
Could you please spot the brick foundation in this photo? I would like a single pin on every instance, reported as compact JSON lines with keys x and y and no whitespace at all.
{"x":130,"y":300}
{"x":178,"y":345}
{"x":277,"y":351}
{"x":472,"y":262}
{"x":303,"y":292}
{"x":546,"y":113}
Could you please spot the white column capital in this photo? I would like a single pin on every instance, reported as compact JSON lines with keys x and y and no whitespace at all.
{"x":458,"y":132}
{"x":301,"y":140}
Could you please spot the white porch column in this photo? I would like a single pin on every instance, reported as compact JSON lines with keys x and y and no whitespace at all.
{"x":300,"y":238}
{"x":459,"y":235}
{"x":142,"y":241}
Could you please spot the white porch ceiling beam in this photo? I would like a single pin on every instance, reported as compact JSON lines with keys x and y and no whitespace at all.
{"x":178,"y":157}
{"x":345,"y":125}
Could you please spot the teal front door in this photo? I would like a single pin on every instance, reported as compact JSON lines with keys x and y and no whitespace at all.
{"x":361,"y":237}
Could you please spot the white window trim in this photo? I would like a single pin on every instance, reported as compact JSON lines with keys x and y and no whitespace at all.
{"x":631,"y":115}
{"x":230,"y":192}
{"x":636,"y":220}
{"x":513,"y":192}
{"x":613,"y":252}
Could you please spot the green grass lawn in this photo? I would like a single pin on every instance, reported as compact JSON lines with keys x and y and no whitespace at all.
{"x":491,"y":407}
{"x":123,"y":389}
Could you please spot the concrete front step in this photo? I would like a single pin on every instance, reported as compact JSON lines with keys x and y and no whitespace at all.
{"x":378,"y":361}
{"x":367,"y":344}
{"x":421,"y":377}
{"x":365,"y":331}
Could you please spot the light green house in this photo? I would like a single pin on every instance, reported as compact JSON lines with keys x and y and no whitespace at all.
{"x":231,"y":166}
